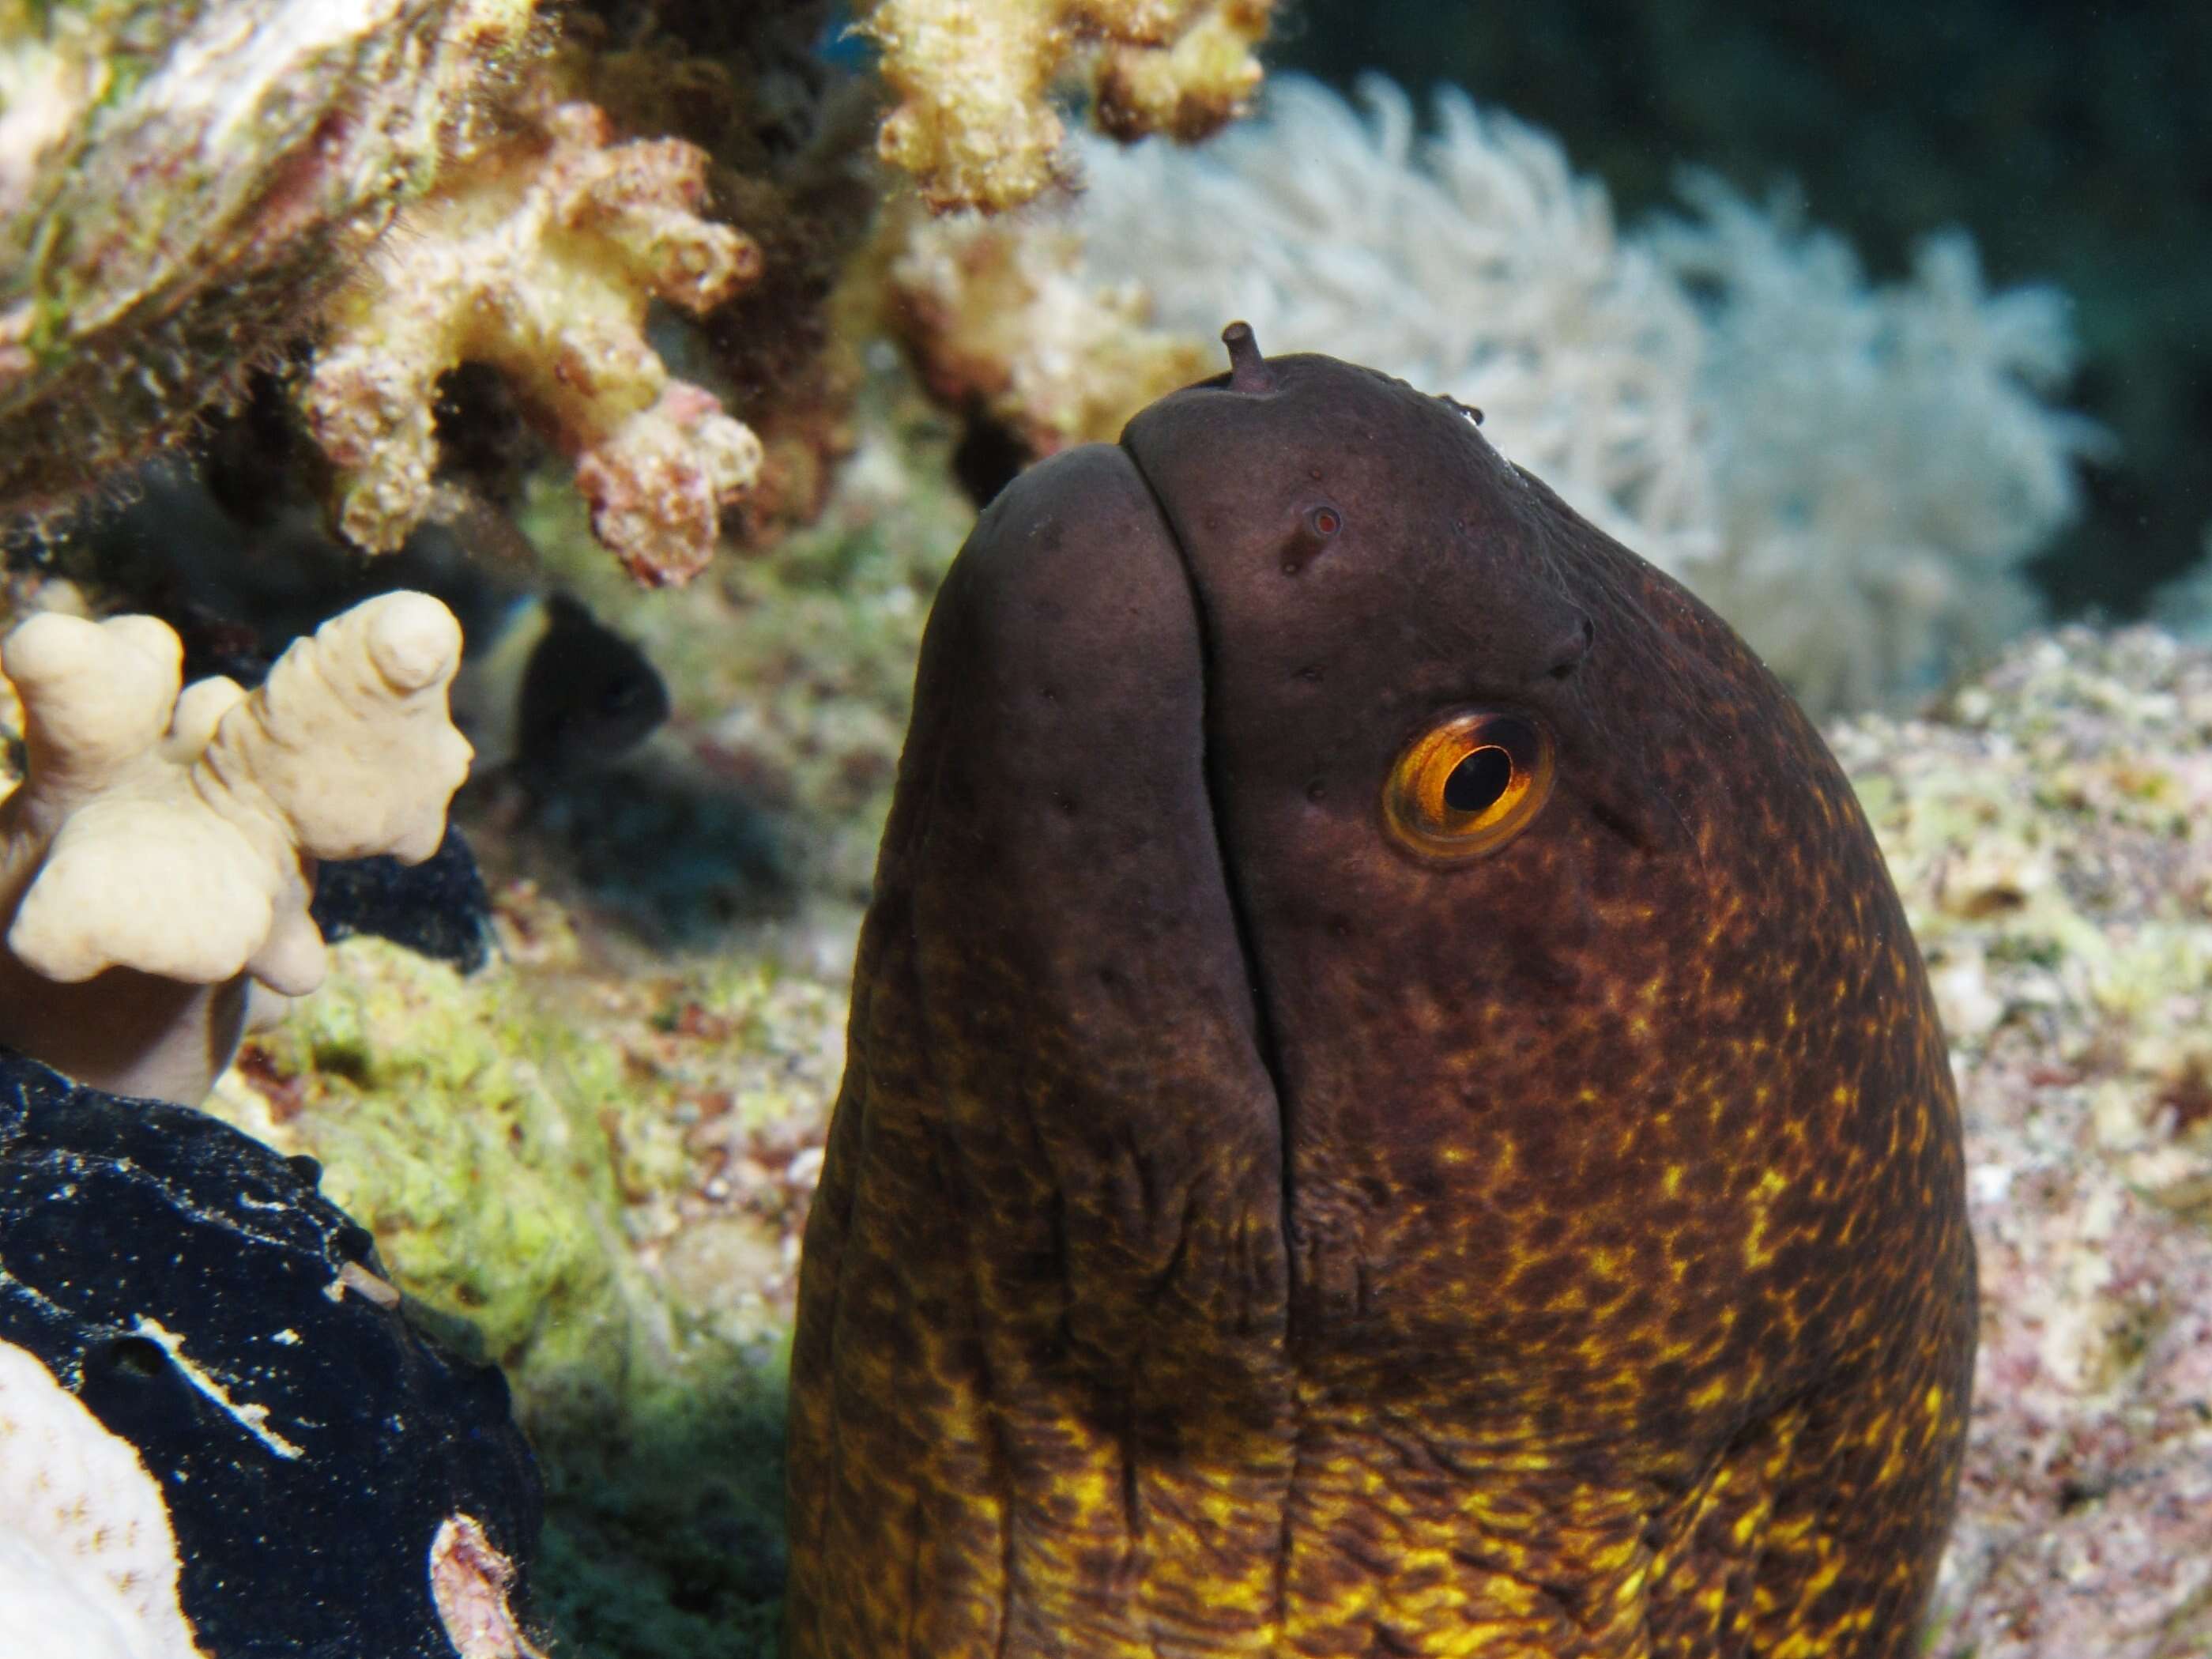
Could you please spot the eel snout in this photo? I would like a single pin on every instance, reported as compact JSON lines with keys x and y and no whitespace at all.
{"x":1058,"y":1190}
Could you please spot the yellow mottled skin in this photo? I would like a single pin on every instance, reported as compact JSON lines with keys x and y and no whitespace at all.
{"x":1247,"y":1232}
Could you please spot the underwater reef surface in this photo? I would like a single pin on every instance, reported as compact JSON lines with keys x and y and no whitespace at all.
{"x":590,"y":1161}
{"x":602,"y":1162}
{"x":2050,"y":824}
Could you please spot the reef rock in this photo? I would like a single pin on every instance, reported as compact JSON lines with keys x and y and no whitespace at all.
{"x":180,"y":187}
{"x":2050,"y":826}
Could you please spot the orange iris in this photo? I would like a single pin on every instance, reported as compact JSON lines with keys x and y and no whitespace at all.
{"x":1468,"y":784}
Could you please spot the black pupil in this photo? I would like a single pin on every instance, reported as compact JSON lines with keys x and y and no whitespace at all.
{"x":1478,"y":780}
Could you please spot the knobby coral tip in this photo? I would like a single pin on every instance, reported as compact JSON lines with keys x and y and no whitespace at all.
{"x":415,"y":642}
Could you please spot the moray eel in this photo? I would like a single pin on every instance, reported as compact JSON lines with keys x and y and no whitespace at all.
{"x":1391,"y":1107}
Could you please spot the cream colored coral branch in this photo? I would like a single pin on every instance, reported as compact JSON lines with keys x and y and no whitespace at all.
{"x":541,"y":258}
{"x":160,"y":847}
{"x":975,"y":123}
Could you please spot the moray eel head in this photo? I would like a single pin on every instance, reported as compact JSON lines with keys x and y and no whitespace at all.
{"x":1391,"y":1106}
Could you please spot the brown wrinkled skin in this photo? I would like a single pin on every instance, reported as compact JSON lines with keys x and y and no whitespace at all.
{"x":1240,"y":1236}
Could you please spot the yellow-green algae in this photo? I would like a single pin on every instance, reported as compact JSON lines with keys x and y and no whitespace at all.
{"x":518,"y":1143}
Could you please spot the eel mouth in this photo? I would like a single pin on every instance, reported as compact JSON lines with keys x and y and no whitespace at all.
{"x":1055,"y":863}
{"x":1212,"y":768}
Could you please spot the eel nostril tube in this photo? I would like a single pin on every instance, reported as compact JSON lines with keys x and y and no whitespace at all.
{"x":1247,"y":368}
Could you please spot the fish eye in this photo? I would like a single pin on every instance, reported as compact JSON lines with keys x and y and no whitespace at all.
{"x":1468,"y":784}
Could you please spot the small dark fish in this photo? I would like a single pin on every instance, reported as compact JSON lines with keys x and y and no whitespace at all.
{"x":551,"y":694}
{"x":588,"y":696}
{"x":438,"y":907}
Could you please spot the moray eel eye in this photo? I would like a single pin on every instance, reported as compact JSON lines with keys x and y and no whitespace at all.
{"x":1468,"y":784}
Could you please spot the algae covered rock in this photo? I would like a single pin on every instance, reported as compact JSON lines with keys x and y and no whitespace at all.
{"x":180,"y":184}
{"x":594,"y":1178}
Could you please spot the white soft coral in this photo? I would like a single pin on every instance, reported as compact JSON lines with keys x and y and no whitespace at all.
{"x":1854,"y":475}
{"x":160,"y":850}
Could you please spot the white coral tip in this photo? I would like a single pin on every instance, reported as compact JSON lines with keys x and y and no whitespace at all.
{"x":93,"y":693}
{"x":414,"y":641}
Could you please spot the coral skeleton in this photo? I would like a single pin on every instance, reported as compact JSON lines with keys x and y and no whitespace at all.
{"x":161,"y":849}
{"x":541,"y":259}
{"x":88,"y":1560}
{"x":469,"y":1581}
{"x":975,"y":123}
{"x":1854,"y":476}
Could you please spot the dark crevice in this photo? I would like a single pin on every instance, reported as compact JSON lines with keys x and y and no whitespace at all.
{"x":1263,"y":1033}
{"x":1263,"y":1030}
{"x":989,"y":456}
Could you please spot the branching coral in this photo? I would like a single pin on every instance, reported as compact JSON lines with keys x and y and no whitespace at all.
{"x":181,"y":185}
{"x":160,"y":847}
{"x":974,"y":124}
{"x":541,"y":259}
{"x":1853,"y":475}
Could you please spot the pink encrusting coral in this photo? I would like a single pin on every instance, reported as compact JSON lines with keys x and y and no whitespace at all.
{"x":2086,"y":1521}
{"x":542,"y":258}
